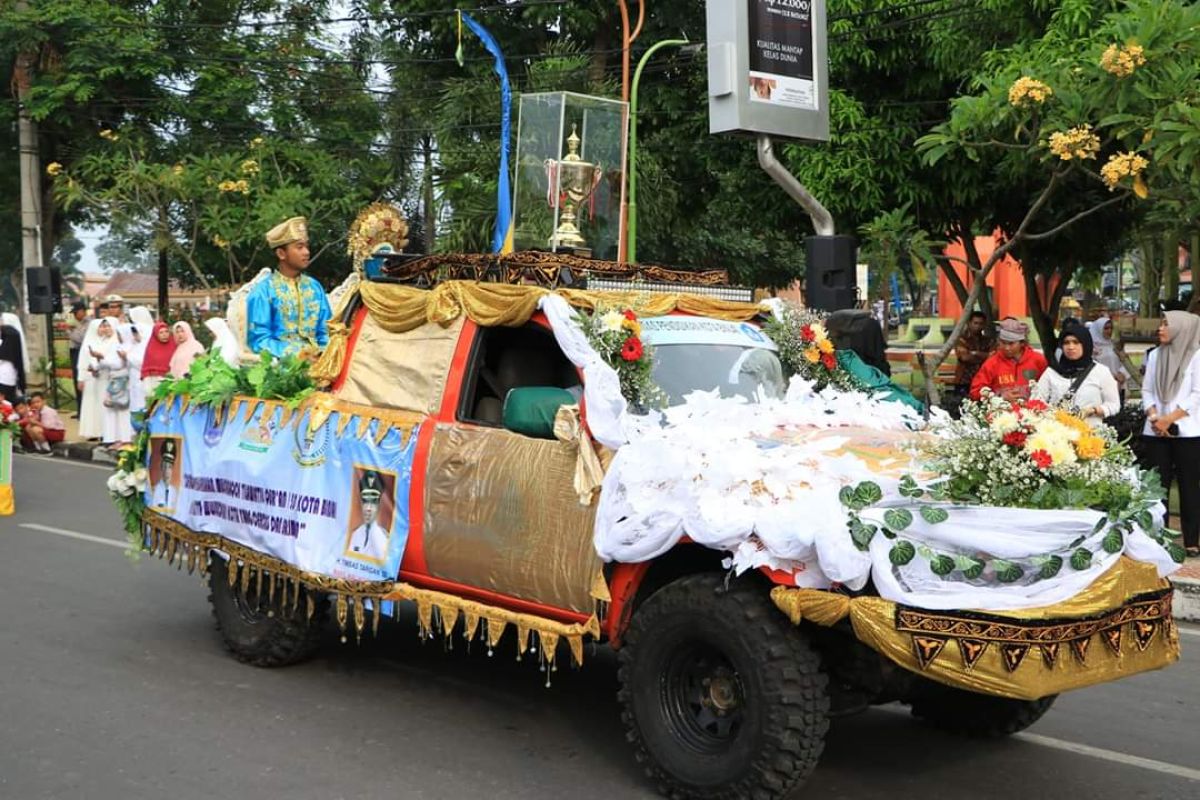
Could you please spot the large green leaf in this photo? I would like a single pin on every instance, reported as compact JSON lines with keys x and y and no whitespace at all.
{"x":897,"y":518}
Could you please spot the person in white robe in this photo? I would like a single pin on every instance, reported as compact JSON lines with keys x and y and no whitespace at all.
{"x":116,"y":429}
{"x":97,"y":342}
{"x":134,"y":337}
{"x":224,"y":341}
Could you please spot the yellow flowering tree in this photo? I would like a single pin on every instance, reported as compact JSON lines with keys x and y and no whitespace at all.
{"x":1101,"y":116}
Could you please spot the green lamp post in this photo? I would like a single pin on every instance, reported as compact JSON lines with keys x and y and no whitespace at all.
{"x":631,"y":236}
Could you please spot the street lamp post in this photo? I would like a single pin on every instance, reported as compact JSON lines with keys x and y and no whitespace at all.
{"x":631,"y":225}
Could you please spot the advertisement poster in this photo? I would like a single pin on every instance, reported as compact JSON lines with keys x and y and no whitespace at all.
{"x":329,"y":504}
{"x":781,"y":53}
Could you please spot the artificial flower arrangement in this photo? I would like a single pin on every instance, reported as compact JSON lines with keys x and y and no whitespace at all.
{"x":10,"y":420}
{"x":127,"y":487}
{"x":1029,"y":454}
{"x":805,"y":348}
{"x":616,"y":334}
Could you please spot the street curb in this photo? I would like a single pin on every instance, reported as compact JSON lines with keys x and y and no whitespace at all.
{"x":1185,"y":605}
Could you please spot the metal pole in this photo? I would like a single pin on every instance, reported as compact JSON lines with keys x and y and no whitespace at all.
{"x":627,"y":39}
{"x":631,"y":212}
{"x":822,"y":220}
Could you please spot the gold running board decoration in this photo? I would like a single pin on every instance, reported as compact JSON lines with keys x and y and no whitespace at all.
{"x":437,"y":612}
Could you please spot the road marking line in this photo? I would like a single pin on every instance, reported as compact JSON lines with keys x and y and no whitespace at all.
{"x":87,"y":537}
{"x":1111,"y":755}
{"x":1187,"y":631}
{"x":65,"y":461}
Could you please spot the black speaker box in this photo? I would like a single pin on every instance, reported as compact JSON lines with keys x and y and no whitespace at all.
{"x":830,"y":273}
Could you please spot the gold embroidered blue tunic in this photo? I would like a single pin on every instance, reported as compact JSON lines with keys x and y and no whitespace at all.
{"x":285,"y":315}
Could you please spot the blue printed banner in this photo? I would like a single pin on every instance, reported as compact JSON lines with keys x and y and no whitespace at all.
{"x":337,"y":505}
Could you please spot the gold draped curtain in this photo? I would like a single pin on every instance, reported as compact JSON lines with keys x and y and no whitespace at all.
{"x":397,"y":308}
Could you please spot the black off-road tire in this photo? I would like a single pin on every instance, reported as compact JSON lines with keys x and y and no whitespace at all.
{"x":261,"y":632}
{"x":978,"y":716}
{"x":765,"y":680}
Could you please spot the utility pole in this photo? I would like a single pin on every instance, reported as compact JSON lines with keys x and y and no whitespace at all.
{"x":31,"y":214}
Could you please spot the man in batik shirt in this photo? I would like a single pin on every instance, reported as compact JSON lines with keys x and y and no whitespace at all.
{"x":288,"y":313}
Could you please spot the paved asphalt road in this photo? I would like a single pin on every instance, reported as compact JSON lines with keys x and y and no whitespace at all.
{"x":113,"y":685}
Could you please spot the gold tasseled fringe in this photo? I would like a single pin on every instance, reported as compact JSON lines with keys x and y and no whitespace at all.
{"x":437,"y":612}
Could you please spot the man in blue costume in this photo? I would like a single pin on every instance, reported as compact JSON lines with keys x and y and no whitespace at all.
{"x":288,"y":313}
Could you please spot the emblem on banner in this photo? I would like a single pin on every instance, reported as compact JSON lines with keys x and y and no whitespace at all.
{"x":212,"y":427}
{"x":258,"y":437}
{"x":311,"y":445}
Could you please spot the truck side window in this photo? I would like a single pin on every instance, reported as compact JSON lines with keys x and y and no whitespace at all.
{"x":510,"y":358}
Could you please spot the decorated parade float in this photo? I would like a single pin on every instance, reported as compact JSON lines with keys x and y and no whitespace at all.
{"x":766,"y":530}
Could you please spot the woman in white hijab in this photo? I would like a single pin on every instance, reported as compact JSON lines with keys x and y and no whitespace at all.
{"x":1171,"y":397}
{"x":134,"y":338}
{"x":1104,"y":350}
{"x":223,"y":340}
{"x":98,"y":342}
{"x":112,"y":376}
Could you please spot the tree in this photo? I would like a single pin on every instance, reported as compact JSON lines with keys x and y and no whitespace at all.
{"x":1104,"y":108}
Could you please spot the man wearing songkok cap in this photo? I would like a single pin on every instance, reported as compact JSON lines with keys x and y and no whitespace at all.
{"x":370,"y":540}
{"x":162,"y":495}
{"x":289,"y":312}
{"x":1013,"y":366}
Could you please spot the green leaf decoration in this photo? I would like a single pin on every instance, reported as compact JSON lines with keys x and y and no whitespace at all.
{"x":1006,"y":571}
{"x":1145,"y":520}
{"x":897,"y":518}
{"x":1100,"y":523}
{"x":909,"y":488}
{"x":902,"y":552}
{"x":1050,"y":567}
{"x":933,"y":515}
{"x":942,"y":565}
{"x":1081,"y":559}
{"x":847,"y":498}
{"x":868,"y":493}
{"x":1113,"y":541}
{"x":1177,"y":553}
{"x":974,"y":568}
{"x":862,"y":533}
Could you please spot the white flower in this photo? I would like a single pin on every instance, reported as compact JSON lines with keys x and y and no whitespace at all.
{"x":611,"y":320}
{"x":818,"y":330}
{"x":116,"y":481}
{"x":140,"y":476}
{"x":1005,"y":422}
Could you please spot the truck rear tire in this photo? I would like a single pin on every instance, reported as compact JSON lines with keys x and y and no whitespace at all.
{"x":259,"y":631}
{"x":721,"y":696}
{"x":978,"y":716}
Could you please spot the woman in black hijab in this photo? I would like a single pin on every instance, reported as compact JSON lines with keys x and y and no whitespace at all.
{"x":1077,"y":381}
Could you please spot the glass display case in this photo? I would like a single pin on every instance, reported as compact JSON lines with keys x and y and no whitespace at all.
{"x":570,"y":164}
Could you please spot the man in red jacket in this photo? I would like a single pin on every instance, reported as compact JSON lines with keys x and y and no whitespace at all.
{"x":1014,"y":365}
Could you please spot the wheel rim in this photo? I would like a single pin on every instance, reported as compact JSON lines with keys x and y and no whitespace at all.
{"x":702,"y":698}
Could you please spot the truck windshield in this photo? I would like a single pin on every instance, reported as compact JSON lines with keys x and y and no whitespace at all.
{"x":701,"y":354}
{"x":751,"y":372}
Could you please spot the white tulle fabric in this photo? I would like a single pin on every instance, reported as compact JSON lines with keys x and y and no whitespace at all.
{"x":760,"y":481}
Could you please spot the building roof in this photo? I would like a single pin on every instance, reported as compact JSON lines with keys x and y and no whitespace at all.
{"x":145,"y":285}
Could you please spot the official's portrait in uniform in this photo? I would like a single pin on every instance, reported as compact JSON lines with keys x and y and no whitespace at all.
{"x":371,"y":512}
{"x":166,"y":468}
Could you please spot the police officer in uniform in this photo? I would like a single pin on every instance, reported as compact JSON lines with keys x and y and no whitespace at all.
{"x":370,"y":540}
{"x":163,"y":496}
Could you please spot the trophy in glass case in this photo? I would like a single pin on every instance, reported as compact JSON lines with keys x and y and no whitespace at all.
{"x":576,"y":180}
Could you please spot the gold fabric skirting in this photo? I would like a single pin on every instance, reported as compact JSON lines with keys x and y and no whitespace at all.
{"x":437,"y":612}
{"x":1119,"y":626}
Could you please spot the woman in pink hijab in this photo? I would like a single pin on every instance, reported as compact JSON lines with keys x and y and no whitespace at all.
{"x":186,"y":349}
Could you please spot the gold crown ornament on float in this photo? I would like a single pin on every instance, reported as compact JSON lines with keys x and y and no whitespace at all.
{"x":380,"y":228}
{"x":576,"y":181}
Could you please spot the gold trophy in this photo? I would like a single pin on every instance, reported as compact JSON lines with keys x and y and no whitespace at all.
{"x":577,"y":179}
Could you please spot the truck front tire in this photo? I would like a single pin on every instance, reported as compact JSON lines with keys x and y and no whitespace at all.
{"x":721,"y":696}
{"x":261,"y":631}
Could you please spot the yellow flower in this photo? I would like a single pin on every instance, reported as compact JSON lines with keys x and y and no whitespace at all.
{"x":109,"y":135}
{"x":227,"y":186}
{"x":243,"y":187}
{"x":1079,"y":142}
{"x":220,"y":242}
{"x":1123,"y":165}
{"x":1071,"y":421}
{"x":1122,"y":61}
{"x":177,"y":169}
{"x":53,"y":168}
{"x":825,"y":346}
{"x":632,"y":325}
{"x":250,"y":167}
{"x":1026,"y":92}
{"x":812,"y":355}
{"x":256,"y":142}
{"x":1090,"y":447}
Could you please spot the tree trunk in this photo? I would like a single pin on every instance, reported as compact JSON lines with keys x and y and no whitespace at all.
{"x":1170,"y":267}
{"x":430,"y":213}
{"x":1150,"y":278}
{"x":976,"y":266}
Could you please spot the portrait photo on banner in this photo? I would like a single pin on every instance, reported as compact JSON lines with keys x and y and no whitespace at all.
{"x":372,"y":511}
{"x":166,"y":471}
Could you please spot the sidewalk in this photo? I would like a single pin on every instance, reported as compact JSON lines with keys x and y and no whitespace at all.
{"x":1186,"y":580}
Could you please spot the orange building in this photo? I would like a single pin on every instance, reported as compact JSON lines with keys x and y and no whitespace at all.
{"x":1005,"y":282}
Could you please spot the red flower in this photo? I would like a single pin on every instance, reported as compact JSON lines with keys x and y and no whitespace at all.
{"x":828,"y":360}
{"x":632,"y":349}
{"x":806,"y":333}
{"x":1016,"y":439}
{"x":1036,"y":405}
{"x":1041,"y":458}
{"x":628,"y":314}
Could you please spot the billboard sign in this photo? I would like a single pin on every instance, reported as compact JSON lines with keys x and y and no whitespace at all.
{"x":768,"y":68}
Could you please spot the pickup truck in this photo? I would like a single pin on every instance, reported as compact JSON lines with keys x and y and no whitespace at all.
{"x":452,"y":462}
